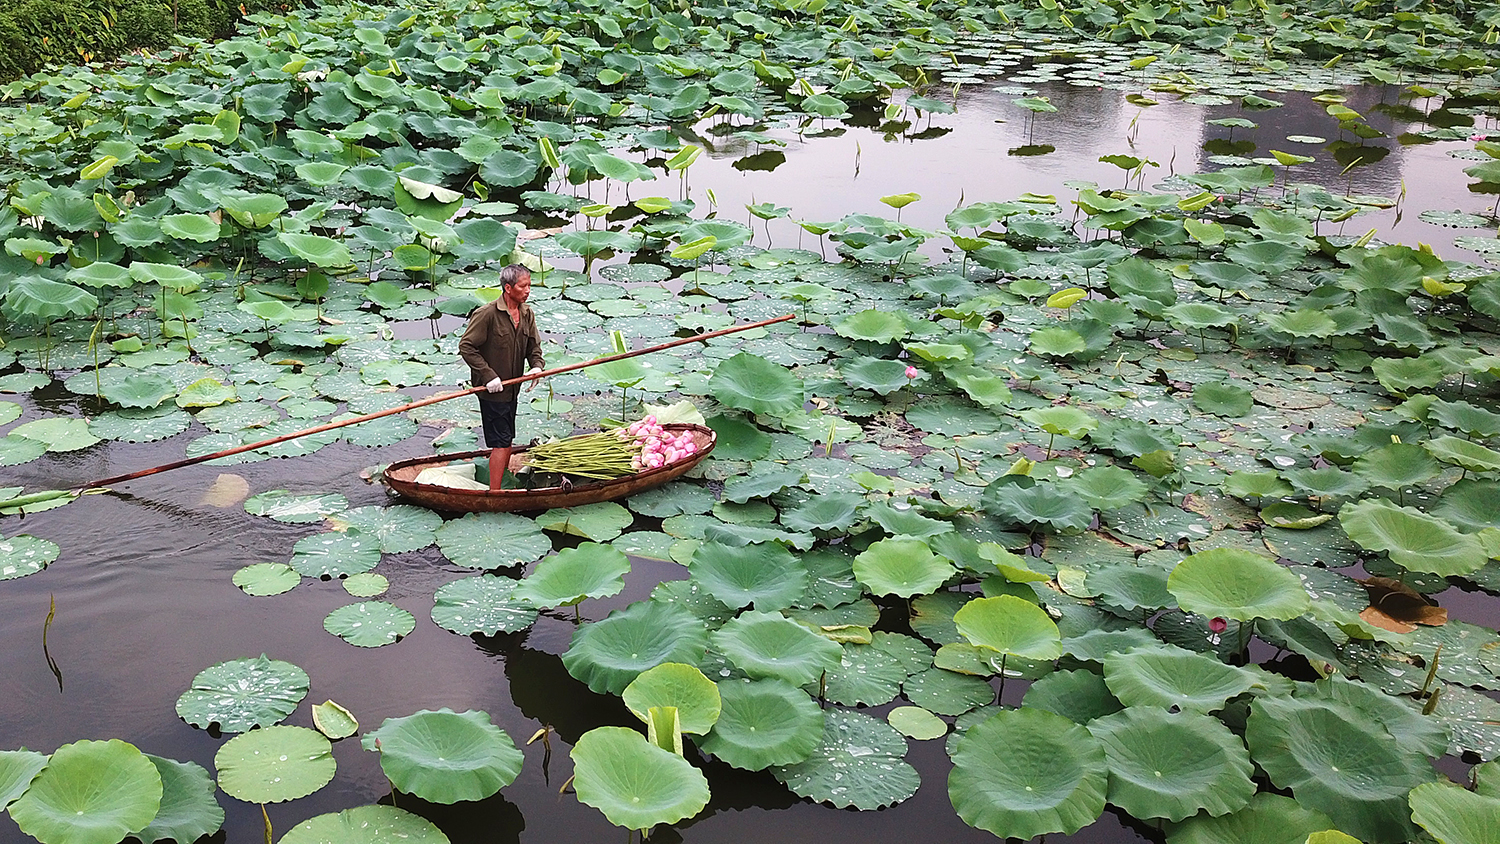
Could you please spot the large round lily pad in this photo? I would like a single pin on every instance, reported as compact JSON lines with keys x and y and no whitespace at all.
{"x":608,"y":654}
{"x":445,"y":756}
{"x":767,"y":644}
{"x":91,"y":792}
{"x":492,"y":540}
{"x":1023,"y":773}
{"x":1164,"y":765}
{"x":860,"y":763}
{"x":1168,"y":676}
{"x":572,"y":575}
{"x":764,"y":723}
{"x":486,"y":604}
{"x":1415,"y":540}
{"x":902,"y":567}
{"x":242,"y":694}
{"x":765,"y":574}
{"x":334,"y":554}
{"x":1009,"y":625}
{"x":366,"y":825}
{"x":748,"y":382}
{"x":295,"y":508}
{"x":398,"y":528}
{"x":274,"y":764}
{"x":634,"y":783}
{"x":1237,"y":584}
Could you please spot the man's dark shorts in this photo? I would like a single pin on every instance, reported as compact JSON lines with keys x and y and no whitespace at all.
{"x":499,"y":422}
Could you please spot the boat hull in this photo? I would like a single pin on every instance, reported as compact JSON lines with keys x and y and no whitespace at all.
{"x":401,"y":478}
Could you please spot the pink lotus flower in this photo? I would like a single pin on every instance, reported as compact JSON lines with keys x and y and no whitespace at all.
{"x":1478,"y":136}
{"x":911,"y":372}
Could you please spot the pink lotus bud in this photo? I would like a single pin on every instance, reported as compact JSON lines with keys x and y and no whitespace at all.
{"x":690,"y":448}
{"x":635,"y":462}
{"x":671,"y":454}
{"x":1478,"y":136}
{"x":1217,"y":625}
{"x":911,"y":372}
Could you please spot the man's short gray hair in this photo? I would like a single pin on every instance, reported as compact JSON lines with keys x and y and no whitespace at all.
{"x":512,"y":274}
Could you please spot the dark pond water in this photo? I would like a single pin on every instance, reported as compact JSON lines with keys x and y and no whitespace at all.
{"x":142,"y":591}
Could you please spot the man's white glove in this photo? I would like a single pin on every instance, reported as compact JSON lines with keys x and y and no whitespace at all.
{"x":495,"y":385}
{"x":535,"y":370}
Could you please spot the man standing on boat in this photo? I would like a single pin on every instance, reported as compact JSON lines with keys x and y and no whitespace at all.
{"x":502,"y":338}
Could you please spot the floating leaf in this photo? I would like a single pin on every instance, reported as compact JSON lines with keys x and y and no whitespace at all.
{"x":572,"y":575}
{"x":266,"y":579}
{"x":1413,"y":539}
{"x":1172,"y":766}
{"x":492,"y":540}
{"x":1011,"y":626}
{"x":239,"y":695}
{"x":24,"y":554}
{"x":370,"y":624}
{"x":366,"y":825}
{"x":295,"y":508}
{"x":274,"y":764}
{"x":748,"y":382}
{"x":443,"y":756}
{"x":917,"y":723}
{"x":608,"y":654}
{"x":90,"y":792}
{"x":484,"y":604}
{"x":901,"y":567}
{"x":859,"y":764}
{"x":764,"y":723}
{"x":765,"y":644}
{"x":765,"y":574}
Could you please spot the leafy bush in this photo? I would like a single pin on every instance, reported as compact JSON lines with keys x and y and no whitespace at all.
{"x":38,"y":32}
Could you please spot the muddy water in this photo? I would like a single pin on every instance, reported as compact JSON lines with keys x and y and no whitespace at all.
{"x":142,"y":591}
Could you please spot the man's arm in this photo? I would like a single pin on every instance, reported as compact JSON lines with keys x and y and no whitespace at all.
{"x":469,"y":346}
{"x":534,"y":341}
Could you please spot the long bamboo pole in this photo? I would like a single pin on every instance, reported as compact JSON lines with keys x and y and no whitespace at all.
{"x":229,"y":452}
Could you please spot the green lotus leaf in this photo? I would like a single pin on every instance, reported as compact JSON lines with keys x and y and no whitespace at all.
{"x":90,"y":792}
{"x":189,"y":809}
{"x":1455,"y":815}
{"x":739,"y":440}
{"x":1414,"y":540}
{"x":1466,"y":455}
{"x":1269,"y":819}
{"x":1403,"y":376}
{"x":1222,"y":399}
{"x":905,"y":521}
{"x":1022,"y":773}
{"x":608,"y":654}
{"x":1471,"y":505}
{"x":874,"y":325}
{"x":492,"y":540}
{"x":1010,"y":625}
{"x":241,"y":694}
{"x":761,"y":485}
{"x":1166,"y":676}
{"x":599,"y":522}
{"x":101,"y":274}
{"x":683,"y":687}
{"x":199,"y":228}
{"x":1172,"y":766}
{"x":365,"y":825}
{"x":859,"y":763}
{"x":370,"y":624}
{"x":334,"y":554}
{"x":884,"y":376}
{"x":765,"y":574}
{"x":763,"y":723}
{"x":206,"y":392}
{"x":444,"y":756}
{"x":1062,"y":421}
{"x":1256,"y":484}
{"x":765,"y":644}
{"x":57,"y":433}
{"x":748,"y":382}
{"x":334,"y":721}
{"x":17,"y":769}
{"x":295,"y":508}
{"x":916,"y":723}
{"x":902,"y":567}
{"x":486,"y":604}
{"x":1130,"y":587}
{"x":24,"y":554}
{"x":1466,"y":418}
{"x":1237,"y":584}
{"x":274,"y":764}
{"x":1108,"y":487}
{"x":1398,"y":715}
{"x":266,"y":579}
{"x":634,"y":783}
{"x":866,"y":675}
{"x":949,"y":692}
{"x":1080,"y":696}
{"x":572,"y":575}
{"x":139,"y":390}
{"x":828,"y":512}
{"x":39,"y":301}
{"x":1025,"y":502}
{"x":1057,"y":342}
{"x":317,"y":250}
{"x":1336,"y":762}
{"x":366,"y":585}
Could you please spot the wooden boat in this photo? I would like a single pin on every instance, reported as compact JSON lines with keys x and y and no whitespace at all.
{"x":401,"y":477}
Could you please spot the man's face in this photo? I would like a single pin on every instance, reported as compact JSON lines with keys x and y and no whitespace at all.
{"x":516,"y":294}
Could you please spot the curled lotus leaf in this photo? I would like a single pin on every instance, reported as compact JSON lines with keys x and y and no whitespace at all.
{"x":1237,"y":584}
{"x":764,"y":723}
{"x":445,"y":756}
{"x":570,"y":576}
{"x":90,"y":792}
{"x":635,"y":784}
{"x":1414,"y":540}
{"x":1022,"y":773}
{"x":1011,"y":626}
{"x":1173,"y":765}
{"x":765,"y":574}
{"x":684,"y":687}
{"x":17,"y":769}
{"x":1168,"y":676}
{"x":752,"y":383}
{"x":765,"y":644}
{"x":1268,"y":819}
{"x":610,"y":653}
{"x":901,"y":566}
